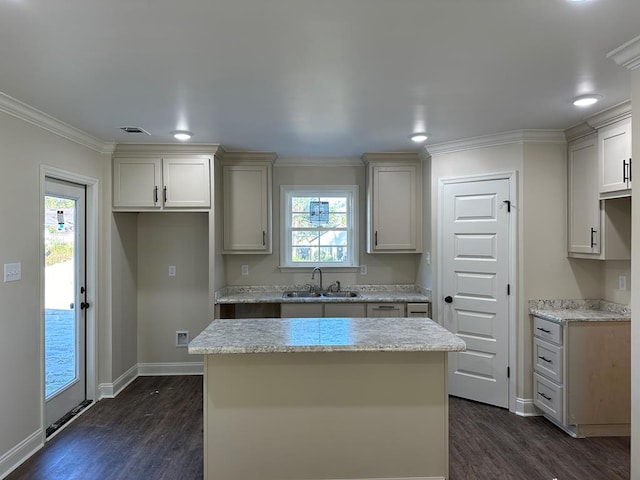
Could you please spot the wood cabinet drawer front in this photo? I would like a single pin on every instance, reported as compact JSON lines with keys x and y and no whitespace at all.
{"x":547,"y":359}
{"x":549,"y":331}
{"x":547,"y":396}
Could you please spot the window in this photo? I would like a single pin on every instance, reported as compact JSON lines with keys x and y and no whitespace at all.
{"x":319,"y":226}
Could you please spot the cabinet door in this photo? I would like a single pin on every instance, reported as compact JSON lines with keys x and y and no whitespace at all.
{"x":584,"y":200}
{"x":186,"y":182}
{"x":615,"y":157}
{"x":247,"y":208}
{"x":394,"y":206}
{"x":386,"y":310}
{"x":344,"y":310}
{"x":137,"y":182}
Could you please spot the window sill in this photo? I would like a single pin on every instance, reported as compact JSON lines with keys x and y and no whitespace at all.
{"x":308,"y":268}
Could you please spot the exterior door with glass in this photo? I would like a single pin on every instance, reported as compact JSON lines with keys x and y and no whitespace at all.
{"x":64,"y":301}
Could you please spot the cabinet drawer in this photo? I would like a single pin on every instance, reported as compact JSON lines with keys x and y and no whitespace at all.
{"x":547,"y":359}
{"x":548,"y":396}
{"x":386,"y":310}
{"x":549,"y":331}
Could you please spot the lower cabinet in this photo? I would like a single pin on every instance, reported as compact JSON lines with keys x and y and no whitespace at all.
{"x":345,"y":310}
{"x":305,"y":310}
{"x":582,"y":376}
{"x":386,"y":310}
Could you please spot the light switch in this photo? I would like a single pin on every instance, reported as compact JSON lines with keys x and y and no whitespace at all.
{"x":12,"y":272}
{"x":244,"y":270}
{"x":172,"y":270}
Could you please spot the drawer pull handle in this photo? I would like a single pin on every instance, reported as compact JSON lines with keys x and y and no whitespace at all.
{"x":543,"y":330}
{"x":385,"y":307}
{"x":546,"y":397}
{"x":545,"y":359}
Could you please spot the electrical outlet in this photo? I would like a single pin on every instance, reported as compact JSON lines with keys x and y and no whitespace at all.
{"x":172,"y":270}
{"x":12,"y":272}
{"x":244,"y":270}
{"x":622,"y":282}
{"x":182,"y":338}
{"x":428,"y":258}
{"x":363,"y":269}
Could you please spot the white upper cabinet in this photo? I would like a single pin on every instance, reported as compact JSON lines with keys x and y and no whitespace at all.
{"x":157,"y":182}
{"x":614,"y":143}
{"x":584,"y":200}
{"x":394,"y":203}
{"x":247,"y":186}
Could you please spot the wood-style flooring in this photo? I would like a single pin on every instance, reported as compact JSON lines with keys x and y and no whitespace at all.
{"x":153,"y":431}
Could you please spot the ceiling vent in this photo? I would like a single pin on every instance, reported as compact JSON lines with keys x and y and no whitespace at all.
{"x":134,"y":130}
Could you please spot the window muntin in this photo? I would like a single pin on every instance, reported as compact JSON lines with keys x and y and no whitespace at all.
{"x":318,"y":226}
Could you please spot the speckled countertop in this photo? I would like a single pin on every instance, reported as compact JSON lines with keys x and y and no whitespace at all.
{"x":283,"y":335}
{"x":368,"y":293}
{"x":563,"y":311}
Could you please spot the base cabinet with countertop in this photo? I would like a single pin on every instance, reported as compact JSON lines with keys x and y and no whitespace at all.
{"x":582,"y":372}
{"x":307,"y":398}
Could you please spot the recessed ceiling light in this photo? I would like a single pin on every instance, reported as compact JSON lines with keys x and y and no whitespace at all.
{"x":586,"y":100}
{"x":419,"y":137}
{"x":182,"y":135}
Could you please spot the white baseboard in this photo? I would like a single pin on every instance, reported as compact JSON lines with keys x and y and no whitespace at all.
{"x":110,"y":390}
{"x":20,"y":453}
{"x":526,"y":408}
{"x":175,"y":368}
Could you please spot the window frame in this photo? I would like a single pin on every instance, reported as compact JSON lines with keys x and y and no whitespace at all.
{"x":353,"y":242}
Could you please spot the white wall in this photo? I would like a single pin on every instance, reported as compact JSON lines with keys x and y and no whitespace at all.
{"x":123,"y":333}
{"x":23,"y":148}
{"x":180,"y":302}
{"x":263,"y":269}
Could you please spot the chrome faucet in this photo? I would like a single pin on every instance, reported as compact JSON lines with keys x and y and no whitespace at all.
{"x":313,"y":274}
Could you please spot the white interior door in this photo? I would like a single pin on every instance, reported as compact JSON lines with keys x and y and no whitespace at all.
{"x":474,"y":286}
{"x":64,"y":302}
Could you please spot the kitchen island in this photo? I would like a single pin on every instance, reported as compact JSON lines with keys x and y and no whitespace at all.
{"x":325,"y":398}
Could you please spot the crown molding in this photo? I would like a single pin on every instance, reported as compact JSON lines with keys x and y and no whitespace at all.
{"x":390,"y":156}
{"x":579,"y":131}
{"x":517,"y":136}
{"x":26,"y":113}
{"x":319,"y":162}
{"x":627,"y":55}
{"x":146,"y":149}
{"x":610,"y":115}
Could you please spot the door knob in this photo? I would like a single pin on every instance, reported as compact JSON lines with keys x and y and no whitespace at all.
{"x":448,"y":299}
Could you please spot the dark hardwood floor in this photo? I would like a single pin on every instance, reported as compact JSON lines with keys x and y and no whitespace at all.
{"x":153,"y":431}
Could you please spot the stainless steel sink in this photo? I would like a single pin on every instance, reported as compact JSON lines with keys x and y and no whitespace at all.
{"x":346,"y":294}
{"x":307,"y":294}
{"x":301,"y":294}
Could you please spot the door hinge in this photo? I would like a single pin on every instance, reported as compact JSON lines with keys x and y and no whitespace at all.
{"x":508,"y":289}
{"x":508,"y":202}
{"x":508,"y":372}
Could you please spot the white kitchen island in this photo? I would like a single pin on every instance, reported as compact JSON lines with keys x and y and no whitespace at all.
{"x":325,"y":398}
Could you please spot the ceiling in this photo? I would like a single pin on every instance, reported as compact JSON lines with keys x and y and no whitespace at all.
{"x":310,"y":78}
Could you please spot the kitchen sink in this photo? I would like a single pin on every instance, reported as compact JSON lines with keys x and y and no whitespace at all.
{"x":307,"y":294}
{"x":301,"y":294}
{"x":345,"y":294}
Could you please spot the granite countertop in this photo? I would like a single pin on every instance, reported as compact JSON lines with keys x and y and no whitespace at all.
{"x":368,"y":293}
{"x":564,"y":311}
{"x":276,"y":335}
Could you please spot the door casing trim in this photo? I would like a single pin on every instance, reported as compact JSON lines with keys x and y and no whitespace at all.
{"x":91,"y":256}
{"x":512,"y":177}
